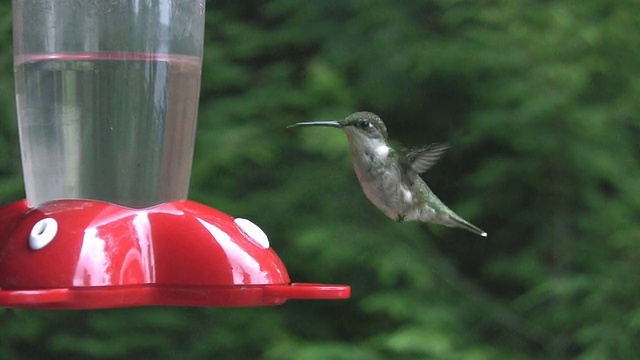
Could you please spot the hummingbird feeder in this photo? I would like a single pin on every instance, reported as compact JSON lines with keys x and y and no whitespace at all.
{"x":107,"y":96}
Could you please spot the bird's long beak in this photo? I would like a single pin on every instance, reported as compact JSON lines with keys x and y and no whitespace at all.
{"x":334,"y":124}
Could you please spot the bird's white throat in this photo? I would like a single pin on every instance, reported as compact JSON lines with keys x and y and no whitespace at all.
{"x":381,"y":151}
{"x":375,"y":153}
{"x":368,"y":151}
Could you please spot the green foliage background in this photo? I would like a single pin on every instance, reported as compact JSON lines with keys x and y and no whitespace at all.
{"x":540,"y":101}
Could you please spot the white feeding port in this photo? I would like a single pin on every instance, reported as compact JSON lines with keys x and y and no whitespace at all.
{"x":42,"y":233}
{"x":253,"y":232}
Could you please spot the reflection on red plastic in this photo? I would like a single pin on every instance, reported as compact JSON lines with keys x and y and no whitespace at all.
{"x":81,"y":254}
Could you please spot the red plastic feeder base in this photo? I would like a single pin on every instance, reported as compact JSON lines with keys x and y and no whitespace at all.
{"x":84,"y":254}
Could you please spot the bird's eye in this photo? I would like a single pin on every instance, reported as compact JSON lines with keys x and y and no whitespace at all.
{"x":364,"y":125}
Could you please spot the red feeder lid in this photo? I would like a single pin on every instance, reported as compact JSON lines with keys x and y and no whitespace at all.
{"x":82,"y":254}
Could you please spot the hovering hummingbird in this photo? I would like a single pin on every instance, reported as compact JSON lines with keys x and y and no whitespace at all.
{"x":389,"y":178}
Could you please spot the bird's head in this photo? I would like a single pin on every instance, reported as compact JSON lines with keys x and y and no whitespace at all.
{"x":360,"y":127}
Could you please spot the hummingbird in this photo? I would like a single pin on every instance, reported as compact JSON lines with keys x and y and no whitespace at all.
{"x":391,"y":179}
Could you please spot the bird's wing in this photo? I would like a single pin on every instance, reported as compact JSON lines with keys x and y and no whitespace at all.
{"x":422,"y":159}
